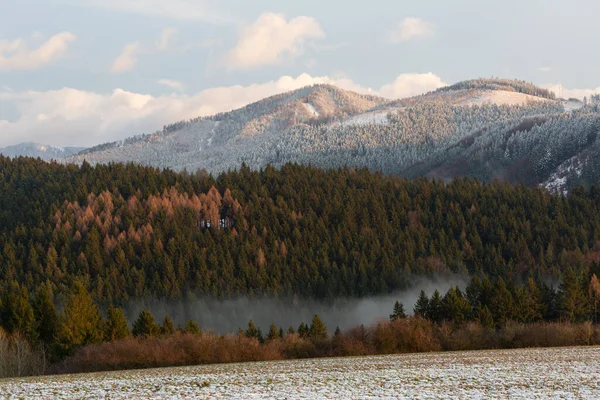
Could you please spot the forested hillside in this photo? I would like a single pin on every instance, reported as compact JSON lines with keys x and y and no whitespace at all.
{"x":86,"y":239}
{"x":484,"y":128}
{"x":132,"y":231}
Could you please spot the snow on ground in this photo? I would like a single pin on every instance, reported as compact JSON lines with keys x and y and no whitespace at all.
{"x":557,"y":182}
{"x":377,"y":117}
{"x":311,"y":109}
{"x":571,"y":105}
{"x":516,"y":374}
{"x":501,"y":97}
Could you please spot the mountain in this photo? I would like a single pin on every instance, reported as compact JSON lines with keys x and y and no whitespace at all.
{"x":483,"y":128}
{"x":36,"y":150}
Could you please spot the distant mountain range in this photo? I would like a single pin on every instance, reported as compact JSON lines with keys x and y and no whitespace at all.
{"x":37,"y":150}
{"x":484,"y":128}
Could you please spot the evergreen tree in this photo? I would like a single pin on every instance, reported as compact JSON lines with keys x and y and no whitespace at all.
{"x":303,"y":330}
{"x":422,"y":305}
{"x":17,"y":314}
{"x":594,"y":292}
{"x":81,"y":322}
{"x":191,"y":327}
{"x":399,"y":312}
{"x":317,"y":330}
{"x":254,"y":332}
{"x":168,"y":328}
{"x":485,"y":317}
{"x":435,"y":312}
{"x":455,"y":307}
{"x":145,"y":325}
{"x":572,"y":301}
{"x":116,"y":325}
{"x":502,"y":303}
{"x":273,"y":332}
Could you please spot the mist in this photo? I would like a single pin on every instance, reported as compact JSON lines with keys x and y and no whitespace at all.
{"x":226,"y":316}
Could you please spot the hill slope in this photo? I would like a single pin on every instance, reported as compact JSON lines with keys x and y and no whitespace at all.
{"x":484,"y":128}
{"x":36,"y":150}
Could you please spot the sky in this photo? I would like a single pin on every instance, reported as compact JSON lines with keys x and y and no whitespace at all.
{"x":84,"y":72}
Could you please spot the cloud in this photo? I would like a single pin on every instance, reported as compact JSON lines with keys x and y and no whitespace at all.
{"x":16,"y":55}
{"x":171,"y":84}
{"x":545,"y":69}
{"x":162,"y":44}
{"x":185,"y":10}
{"x":271,"y":39}
{"x":567,"y":93}
{"x":70,"y":117}
{"x":407,"y":85}
{"x":127,"y":59}
{"x":411,"y":28}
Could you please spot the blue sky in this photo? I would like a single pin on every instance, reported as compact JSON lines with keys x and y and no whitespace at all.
{"x":81,"y":72}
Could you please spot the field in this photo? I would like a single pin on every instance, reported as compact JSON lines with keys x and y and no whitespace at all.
{"x":516,"y":374}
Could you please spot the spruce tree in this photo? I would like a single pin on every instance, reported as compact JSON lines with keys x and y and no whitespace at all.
{"x":116,"y":325}
{"x":422,"y":305}
{"x":191,"y":327}
{"x":81,"y":322}
{"x":273,"y":332}
{"x":45,"y":314}
{"x":435,"y":307}
{"x":318,"y":330}
{"x":399,"y":312}
{"x":145,"y":325}
{"x":168,"y":328}
{"x":572,"y":301}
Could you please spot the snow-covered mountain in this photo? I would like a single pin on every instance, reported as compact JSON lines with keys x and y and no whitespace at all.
{"x":484,"y":128}
{"x":42,"y":151}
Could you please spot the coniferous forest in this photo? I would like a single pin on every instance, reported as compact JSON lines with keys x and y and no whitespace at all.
{"x":77,"y":243}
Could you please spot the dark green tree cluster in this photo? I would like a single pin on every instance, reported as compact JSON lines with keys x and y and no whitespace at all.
{"x":495,"y":304}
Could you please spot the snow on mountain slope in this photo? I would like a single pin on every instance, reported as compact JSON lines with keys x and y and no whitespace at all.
{"x":36,"y":150}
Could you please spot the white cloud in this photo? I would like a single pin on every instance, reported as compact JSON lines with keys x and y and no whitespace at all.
{"x":271,"y":39}
{"x":16,"y":55}
{"x":567,"y":93}
{"x":545,"y":69}
{"x":166,"y":36}
{"x":171,"y":84}
{"x":186,"y":10}
{"x":411,"y":28}
{"x":127,"y":59}
{"x":407,"y":85}
{"x":74,"y":117}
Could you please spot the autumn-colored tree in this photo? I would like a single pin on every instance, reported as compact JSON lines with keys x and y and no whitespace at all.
{"x":317,"y":330}
{"x":81,"y":322}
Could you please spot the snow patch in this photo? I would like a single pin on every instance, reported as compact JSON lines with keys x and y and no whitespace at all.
{"x":311,"y":109}
{"x":502,"y":97}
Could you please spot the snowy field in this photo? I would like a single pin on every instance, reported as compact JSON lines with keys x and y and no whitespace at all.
{"x":516,"y":374}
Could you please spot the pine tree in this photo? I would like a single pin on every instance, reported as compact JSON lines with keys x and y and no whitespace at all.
{"x":572,"y":301}
{"x":16,"y":313}
{"x":145,"y":325}
{"x":318,"y":330}
{"x":435,"y":307}
{"x":254,"y":332}
{"x":594,"y":292}
{"x":116,"y":325}
{"x":303,"y":330}
{"x":422,"y":305}
{"x":273,"y":332}
{"x":168,"y":328}
{"x":46,"y":315}
{"x":191,"y":327}
{"x":485,"y":317}
{"x":399,"y":312}
{"x":81,"y":322}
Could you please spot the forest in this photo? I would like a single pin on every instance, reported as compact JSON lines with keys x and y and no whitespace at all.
{"x":77,"y":243}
